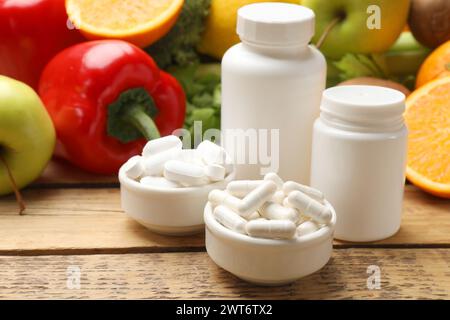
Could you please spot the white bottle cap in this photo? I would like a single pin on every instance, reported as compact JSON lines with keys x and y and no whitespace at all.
{"x":273,"y":23}
{"x":362,"y":104}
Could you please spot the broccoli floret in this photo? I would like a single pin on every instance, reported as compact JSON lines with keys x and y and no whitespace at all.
{"x":178,"y":46}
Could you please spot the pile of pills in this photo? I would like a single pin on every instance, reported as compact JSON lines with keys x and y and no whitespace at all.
{"x":270,"y":208}
{"x":164,"y":163}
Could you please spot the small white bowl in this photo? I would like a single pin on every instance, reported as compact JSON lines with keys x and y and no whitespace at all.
{"x":267,"y":261}
{"x":170,"y":211}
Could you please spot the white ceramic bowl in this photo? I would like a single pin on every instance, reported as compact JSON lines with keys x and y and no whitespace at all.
{"x":177,"y":211}
{"x":267,"y":261}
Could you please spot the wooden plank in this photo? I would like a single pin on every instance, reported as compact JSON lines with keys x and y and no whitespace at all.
{"x":64,"y":202}
{"x":405,"y":274}
{"x":62,"y":173}
{"x":38,"y":235}
{"x":78,"y":221}
{"x":81,"y":221}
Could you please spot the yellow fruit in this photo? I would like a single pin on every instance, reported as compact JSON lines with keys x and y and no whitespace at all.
{"x":436,"y":65}
{"x":427,"y":117}
{"x":140,"y":22}
{"x":220,"y":30}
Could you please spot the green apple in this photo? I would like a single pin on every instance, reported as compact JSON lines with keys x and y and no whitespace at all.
{"x":27,"y":135}
{"x":359,"y":26}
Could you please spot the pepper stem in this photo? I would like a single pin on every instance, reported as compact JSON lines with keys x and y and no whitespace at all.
{"x":19,"y":198}
{"x":130,"y":117}
{"x":143,"y":122}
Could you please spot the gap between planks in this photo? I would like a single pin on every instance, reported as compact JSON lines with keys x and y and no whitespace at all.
{"x":180,"y":249}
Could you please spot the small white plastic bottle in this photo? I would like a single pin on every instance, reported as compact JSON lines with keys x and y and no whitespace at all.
{"x":272,"y":80}
{"x":359,"y":158}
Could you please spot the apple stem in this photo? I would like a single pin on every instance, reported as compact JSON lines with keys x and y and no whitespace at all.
{"x":326,"y":31}
{"x":14,"y":186}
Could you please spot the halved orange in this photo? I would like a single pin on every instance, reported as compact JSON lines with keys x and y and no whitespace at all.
{"x":141,"y":22}
{"x":427,"y":117}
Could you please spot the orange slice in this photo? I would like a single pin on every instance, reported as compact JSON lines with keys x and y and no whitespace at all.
{"x":141,"y":22}
{"x":427,"y":117}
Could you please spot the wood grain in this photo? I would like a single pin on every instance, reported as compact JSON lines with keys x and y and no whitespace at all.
{"x":61,"y":173}
{"x":83,"y":221}
{"x":79,"y":221}
{"x":38,"y":235}
{"x":405,"y":274}
{"x":65,"y":202}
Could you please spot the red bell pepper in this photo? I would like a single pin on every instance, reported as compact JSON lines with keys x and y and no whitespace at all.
{"x":31,"y":33}
{"x":102,"y":96}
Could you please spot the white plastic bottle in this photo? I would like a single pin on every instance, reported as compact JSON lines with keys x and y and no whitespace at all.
{"x":358,"y":159}
{"x":272,"y":80}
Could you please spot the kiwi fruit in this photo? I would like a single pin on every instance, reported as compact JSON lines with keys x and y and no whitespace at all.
{"x":429,"y":21}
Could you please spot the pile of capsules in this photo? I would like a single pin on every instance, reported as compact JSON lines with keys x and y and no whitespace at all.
{"x":164,"y":163}
{"x":270,"y":208}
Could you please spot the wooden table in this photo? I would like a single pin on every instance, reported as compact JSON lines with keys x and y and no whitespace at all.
{"x":74,"y":223}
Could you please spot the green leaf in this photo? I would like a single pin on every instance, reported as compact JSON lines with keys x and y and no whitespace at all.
{"x":217,"y":96}
{"x":202,"y":87}
{"x":209,"y":81}
{"x":208,"y":116}
{"x":186,"y":76}
{"x":204,"y":100}
{"x":353,"y":65}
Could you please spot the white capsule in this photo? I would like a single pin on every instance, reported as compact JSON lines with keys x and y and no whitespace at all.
{"x":306,"y":227}
{"x":162,"y":144}
{"x":286,"y":203}
{"x":154,"y":165}
{"x":272,"y":229}
{"x":278,"y":197}
{"x":190,"y":156}
{"x":219,"y":197}
{"x":215,"y":172}
{"x":159,"y":182}
{"x":230,"y":219}
{"x":187,"y":174}
{"x":250,"y":203}
{"x":255,"y":215}
{"x":301,"y":219}
{"x":290,"y":186}
{"x":256,"y":198}
{"x":134,"y":167}
{"x":211,"y":152}
{"x":243,"y":187}
{"x":274,"y":211}
{"x":272,"y":176}
{"x":310,"y":207}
